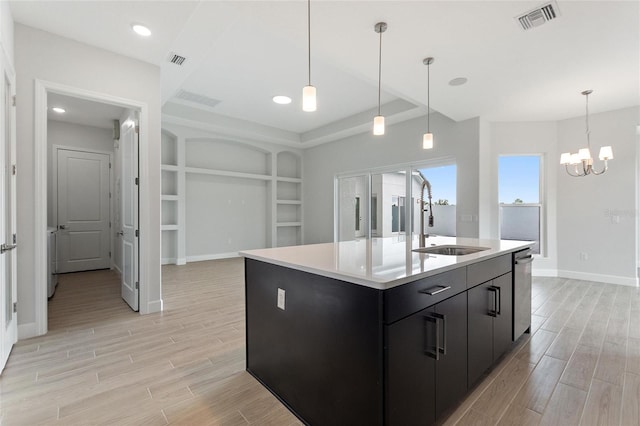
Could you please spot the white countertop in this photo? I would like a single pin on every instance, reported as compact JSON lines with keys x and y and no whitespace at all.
{"x":380,"y":263}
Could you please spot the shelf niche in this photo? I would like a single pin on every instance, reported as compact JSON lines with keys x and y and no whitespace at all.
{"x":289,"y":165}
{"x":230,"y":156}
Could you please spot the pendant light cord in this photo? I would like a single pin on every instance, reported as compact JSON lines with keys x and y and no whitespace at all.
{"x":587,"y":121}
{"x":379,"y":71}
{"x":309,"y":36}
{"x":428,"y":98}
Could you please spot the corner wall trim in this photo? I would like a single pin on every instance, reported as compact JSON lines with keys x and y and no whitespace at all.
{"x":27,"y":331}
{"x":154,"y":306}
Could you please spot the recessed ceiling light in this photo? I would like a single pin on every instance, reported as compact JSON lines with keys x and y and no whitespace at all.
{"x":58,"y":110}
{"x":282,"y":100}
{"x":458,"y":81}
{"x":141,"y":30}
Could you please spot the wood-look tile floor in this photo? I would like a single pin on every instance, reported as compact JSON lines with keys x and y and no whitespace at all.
{"x":101,"y":363}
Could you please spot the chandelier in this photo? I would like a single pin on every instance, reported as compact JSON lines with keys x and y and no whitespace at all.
{"x":572,"y":161}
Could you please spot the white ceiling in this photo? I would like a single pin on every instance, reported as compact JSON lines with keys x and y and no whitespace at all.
{"x":81,"y":111}
{"x":241,"y":53}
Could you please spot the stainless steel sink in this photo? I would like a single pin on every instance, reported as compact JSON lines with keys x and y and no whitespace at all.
{"x":450,"y":250}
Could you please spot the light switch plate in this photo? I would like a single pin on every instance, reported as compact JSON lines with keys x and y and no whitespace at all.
{"x":281,"y":299}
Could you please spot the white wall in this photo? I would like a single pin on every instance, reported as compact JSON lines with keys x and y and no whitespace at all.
{"x":87,"y":138}
{"x":597,"y":214}
{"x":41,"y":55}
{"x":401,"y":144}
{"x":524,"y":138}
{"x":6,"y":30}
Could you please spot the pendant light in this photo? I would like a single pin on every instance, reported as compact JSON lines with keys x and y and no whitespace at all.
{"x":427,"y":138}
{"x":378,"y":120}
{"x":584,"y":154}
{"x":309,"y":92}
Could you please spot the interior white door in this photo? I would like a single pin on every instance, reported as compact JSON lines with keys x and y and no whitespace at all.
{"x":83,"y":211}
{"x":129,"y":211}
{"x":8,"y":256}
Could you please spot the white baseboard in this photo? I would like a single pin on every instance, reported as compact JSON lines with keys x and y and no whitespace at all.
{"x":611,"y":279}
{"x":173,"y":261}
{"x":154,"y":306}
{"x":544,"y":272}
{"x":216,"y":256}
{"x":28,"y":330}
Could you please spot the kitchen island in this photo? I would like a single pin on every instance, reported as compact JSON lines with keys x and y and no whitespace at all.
{"x":371,"y":332}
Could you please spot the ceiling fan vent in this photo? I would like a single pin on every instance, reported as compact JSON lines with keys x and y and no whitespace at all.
{"x":176,"y":59}
{"x":195,"y":98}
{"x":538,"y":16}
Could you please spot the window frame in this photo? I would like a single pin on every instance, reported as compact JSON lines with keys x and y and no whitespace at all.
{"x":541,"y":204}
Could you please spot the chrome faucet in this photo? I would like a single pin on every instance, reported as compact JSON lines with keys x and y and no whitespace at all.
{"x":425,"y":184}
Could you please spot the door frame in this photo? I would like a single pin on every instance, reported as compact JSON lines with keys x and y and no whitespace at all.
{"x":54,"y":192}
{"x":41,"y":89}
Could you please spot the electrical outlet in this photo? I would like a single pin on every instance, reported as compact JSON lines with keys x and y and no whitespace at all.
{"x":615,"y":219}
{"x":281,"y":299}
{"x":584,"y":256}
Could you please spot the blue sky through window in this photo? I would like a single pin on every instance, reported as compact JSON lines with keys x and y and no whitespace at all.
{"x":443,"y":182}
{"x":519,"y":178}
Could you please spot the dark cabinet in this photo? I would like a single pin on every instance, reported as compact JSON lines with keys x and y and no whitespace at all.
{"x":427,"y":363}
{"x":490,"y":322}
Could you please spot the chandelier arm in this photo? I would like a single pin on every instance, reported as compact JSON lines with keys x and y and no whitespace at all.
{"x":605,"y":168}
{"x":566,"y":166}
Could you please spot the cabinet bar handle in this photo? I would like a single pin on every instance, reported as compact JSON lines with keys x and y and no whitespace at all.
{"x":499,"y":304}
{"x":443,"y":349}
{"x":428,"y":349}
{"x":494,"y":312}
{"x":432,"y":291}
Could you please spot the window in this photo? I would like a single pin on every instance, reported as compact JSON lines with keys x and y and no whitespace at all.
{"x":443,"y":185}
{"x":519,"y":182}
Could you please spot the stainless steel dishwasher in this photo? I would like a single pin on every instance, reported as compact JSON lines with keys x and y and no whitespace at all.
{"x":521,"y":292}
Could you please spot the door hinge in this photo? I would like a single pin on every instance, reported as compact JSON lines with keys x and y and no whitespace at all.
{"x":137,"y":233}
{"x":13,"y":100}
{"x":137,"y":129}
{"x":109,"y":195}
{"x":109,"y":165}
{"x":137,"y":181}
{"x":109,"y":254}
{"x":15,"y":239}
{"x":109,"y":224}
{"x":15,"y":307}
{"x":137,"y":285}
{"x":13,"y":170}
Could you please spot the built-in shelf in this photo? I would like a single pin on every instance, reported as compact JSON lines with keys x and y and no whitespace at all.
{"x":226,"y":173}
{"x":286,"y":179}
{"x":232,"y":171}
{"x":283,"y":224}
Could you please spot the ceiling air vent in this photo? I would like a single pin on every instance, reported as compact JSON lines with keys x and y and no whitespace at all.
{"x":176,"y":59}
{"x":197,"y":99}
{"x":538,"y":16}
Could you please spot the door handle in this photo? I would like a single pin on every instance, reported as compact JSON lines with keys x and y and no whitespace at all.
{"x":7,"y":247}
{"x":121,"y":233}
{"x":62,"y":226}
